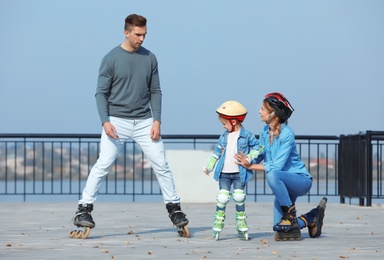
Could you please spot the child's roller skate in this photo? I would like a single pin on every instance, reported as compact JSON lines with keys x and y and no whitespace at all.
{"x":241,"y":225}
{"x":314,"y":219}
{"x":288,"y":227}
{"x":178,"y":219}
{"x":218,"y":224}
{"x":83,"y":221}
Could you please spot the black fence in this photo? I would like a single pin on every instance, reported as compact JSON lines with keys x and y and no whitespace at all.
{"x":360,"y":166}
{"x":36,"y":165}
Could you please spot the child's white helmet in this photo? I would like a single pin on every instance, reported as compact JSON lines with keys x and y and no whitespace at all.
{"x":232,"y":110}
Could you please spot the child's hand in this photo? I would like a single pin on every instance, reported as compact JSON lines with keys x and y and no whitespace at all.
{"x":210,"y":166}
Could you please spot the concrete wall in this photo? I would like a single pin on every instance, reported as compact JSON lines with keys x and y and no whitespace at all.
{"x":192,"y":184}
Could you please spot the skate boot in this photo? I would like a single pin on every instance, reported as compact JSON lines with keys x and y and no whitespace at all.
{"x":218,"y":224}
{"x":314,"y":219}
{"x":178,"y":218}
{"x":241,"y":225}
{"x":288,"y":227}
{"x":83,"y":221}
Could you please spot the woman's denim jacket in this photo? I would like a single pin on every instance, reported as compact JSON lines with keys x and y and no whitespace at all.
{"x":282,"y":154}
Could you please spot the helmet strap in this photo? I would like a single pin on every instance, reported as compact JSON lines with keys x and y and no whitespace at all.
{"x":270,"y":117}
{"x":233,"y":123}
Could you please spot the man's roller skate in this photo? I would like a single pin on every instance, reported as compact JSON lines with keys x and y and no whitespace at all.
{"x":288,"y":227}
{"x":178,"y":219}
{"x":218,"y":224}
{"x":83,"y":221}
{"x":241,"y":225}
{"x":314,"y":219}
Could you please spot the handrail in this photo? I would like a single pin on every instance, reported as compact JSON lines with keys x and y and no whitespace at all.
{"x":58,"y":164}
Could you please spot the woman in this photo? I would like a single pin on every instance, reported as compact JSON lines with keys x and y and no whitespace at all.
{"x":286,"y":173}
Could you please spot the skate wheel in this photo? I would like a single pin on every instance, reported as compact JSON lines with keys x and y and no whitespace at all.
{"x":279,"y":237}
{"x":243,"y":236}
{"x":79,"y":233}
{"x":72,"y":233}
{"x":87,"y":231}
{"x":183,"y":232}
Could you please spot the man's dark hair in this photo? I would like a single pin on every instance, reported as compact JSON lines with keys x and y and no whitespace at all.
{"x":134,"y":20}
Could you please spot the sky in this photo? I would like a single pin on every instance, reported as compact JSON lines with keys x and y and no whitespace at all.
{"x":325,"y":56}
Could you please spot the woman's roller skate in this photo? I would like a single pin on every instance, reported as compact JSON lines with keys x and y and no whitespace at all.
{"x":288,"y":227}
{"x":178,"y":218}
{"x":218,"y":224}
{"x":83,"y":221}
{"x":314,"y":219}
{"x":241,"y":225}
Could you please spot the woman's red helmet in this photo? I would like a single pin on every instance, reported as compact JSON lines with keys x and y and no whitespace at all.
{"x":280,"y":105}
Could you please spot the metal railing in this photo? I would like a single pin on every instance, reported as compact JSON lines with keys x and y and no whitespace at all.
{"x":360,"y":165}
{"x":35,"y":165}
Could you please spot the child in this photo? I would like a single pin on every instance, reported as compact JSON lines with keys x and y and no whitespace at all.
{"x":235,"y":139}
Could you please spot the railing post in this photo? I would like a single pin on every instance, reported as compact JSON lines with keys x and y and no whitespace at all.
{"x":25,"y":170}
{"x":369,"y":184}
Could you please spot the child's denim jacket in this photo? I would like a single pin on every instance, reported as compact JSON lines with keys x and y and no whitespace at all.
{"x":246,"y":142}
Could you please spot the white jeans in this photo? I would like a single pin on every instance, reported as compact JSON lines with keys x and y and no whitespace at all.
{"x":138,"y":131}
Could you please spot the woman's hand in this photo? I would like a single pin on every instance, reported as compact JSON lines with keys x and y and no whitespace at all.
{"x":241,"y":159}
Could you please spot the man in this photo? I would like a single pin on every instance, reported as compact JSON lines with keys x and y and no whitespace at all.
{"x":128,"y":98}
